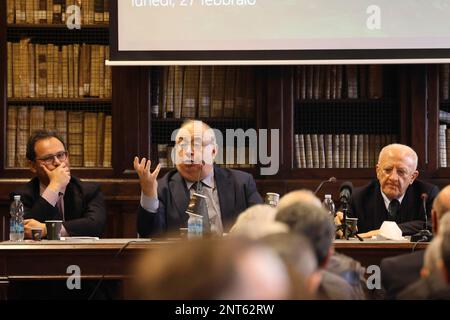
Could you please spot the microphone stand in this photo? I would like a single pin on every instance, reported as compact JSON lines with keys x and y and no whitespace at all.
{"x":330,"y":180}
{"x":344,"y":227}
{"x":344,"y":221}
{"x":423,"y":235}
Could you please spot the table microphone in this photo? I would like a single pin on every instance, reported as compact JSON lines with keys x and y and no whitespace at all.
{"x":424,"y":234}
{"x":424,"y":198}
{"x":330,"y":180}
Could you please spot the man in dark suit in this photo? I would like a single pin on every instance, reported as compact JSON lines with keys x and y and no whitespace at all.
{"x":396,"y":195}
{"x":163,"y":204}
{"x":55,"y":195}
{"x":399,"y":272}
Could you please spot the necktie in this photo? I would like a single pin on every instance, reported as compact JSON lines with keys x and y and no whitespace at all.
{"x":394,"y":205}
{"x":59,"y":206}
{"x":197,"y":187}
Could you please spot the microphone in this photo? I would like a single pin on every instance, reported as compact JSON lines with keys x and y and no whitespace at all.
{"x":424,"y":234}
{"x":345,"y":192}
{"x":424,"y":197}
{"x":330,"y":180}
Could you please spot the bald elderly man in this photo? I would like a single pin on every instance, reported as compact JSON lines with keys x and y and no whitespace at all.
{"x":163,"y":203}
{"x":394,"y":196}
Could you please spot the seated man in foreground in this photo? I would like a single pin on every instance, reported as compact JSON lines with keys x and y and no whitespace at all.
{"x":163,"y":203}
{"x":56,"y":195}
{"x":396,"y":195}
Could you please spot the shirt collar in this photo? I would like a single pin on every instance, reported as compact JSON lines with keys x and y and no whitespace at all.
{"x":387,"y":201}
{"x":207,"y":181}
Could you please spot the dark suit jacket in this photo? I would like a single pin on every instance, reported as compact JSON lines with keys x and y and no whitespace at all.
{"x":399,"y":272}
{"x":429,"y":288}
{"x":236,"y":191}
{"x":84,"y":207}
{"x":367,"y":205}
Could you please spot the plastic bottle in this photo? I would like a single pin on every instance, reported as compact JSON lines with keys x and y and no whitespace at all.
{"x":328,"y":204}
{"x":16,"y":229}
{"x":195,"y":226}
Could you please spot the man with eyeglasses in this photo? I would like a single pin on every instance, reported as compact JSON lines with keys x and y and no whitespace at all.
{"x":396,"y":195}
{"x":163,"y":203}
{"x":56,"y":195}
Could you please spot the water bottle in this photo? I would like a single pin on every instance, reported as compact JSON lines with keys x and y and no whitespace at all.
{"x":195,"y":226}
{"x":16,"y":231}
{"x":328,"y":204}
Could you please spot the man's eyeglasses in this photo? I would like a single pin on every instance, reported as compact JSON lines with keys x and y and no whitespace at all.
{"x":195,"y":145}
{"x":61,"y":156}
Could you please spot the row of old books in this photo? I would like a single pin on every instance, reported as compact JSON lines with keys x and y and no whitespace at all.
{"x":444,"y":145}
{"x":444,"y":81}
{"x":165,"y":157}
{"x":57,"y":71}
{"x":205,"y":91}
{"x":338,"y":82}
{"x":88,"y":135}
{"x":56,"y":11}
{"x":339,"y":150}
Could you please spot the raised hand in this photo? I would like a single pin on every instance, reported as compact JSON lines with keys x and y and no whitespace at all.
{"x":59,"y":177}
{"x":147,"y":179}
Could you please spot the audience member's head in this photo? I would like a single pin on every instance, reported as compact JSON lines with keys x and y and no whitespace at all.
{"x":315,"y":223}
{"x":299,"y":196}
{"x":396,"y":169}
{"x":297,"y":252}
{"x":215,"y":269}
{"x":441,"y":205}
{"x":432,"y":259}
{"x":446,"y":256}
{"x":257,"y":221}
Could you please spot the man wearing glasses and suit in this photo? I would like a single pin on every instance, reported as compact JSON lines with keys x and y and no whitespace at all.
{"x":163,"y":203}
{"x":53,"y":194}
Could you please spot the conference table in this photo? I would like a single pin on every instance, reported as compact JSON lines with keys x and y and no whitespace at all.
{"x":112,"y":259}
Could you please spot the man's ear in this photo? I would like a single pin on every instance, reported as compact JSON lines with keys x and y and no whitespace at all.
{"x":377,"y":170}
{"x":327,"y":259}
{"x":434,"y":221}
{"x":415,"y":174}
{"x":424,"y":272}
{"x":33,"y":166}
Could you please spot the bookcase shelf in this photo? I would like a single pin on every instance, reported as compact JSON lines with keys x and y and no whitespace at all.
{"x":43,"y":26}
{"x":59,"y":101}
{"x":56,"y":79}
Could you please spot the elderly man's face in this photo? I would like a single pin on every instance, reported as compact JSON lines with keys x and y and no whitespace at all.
{"x":395,"y":172}
{"x":195,"y":151}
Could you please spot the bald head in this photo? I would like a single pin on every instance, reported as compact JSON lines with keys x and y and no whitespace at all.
{"x":441,"y":205}
{"x":299,"y":196}
{"x":397,"y":150}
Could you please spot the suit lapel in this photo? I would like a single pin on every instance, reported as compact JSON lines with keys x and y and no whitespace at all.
{"x":381,"y":208}
{"x":180,"y":194}
{"x":72,"y":201}
{"x":226,"y":193}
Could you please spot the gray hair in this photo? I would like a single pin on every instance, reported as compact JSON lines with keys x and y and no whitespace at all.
{"x":295,"y":250}
{"x":256,"y":222}
{"x":313,"y":222}
{"x":297,"y":196}
{"x":433,"y":254}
